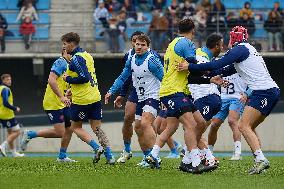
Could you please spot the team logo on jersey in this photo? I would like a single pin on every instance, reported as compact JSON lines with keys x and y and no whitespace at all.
{"x":81,"y":115}
{"x":263,"y":103}
{"x":8,"y":124}
{"x":205,"y":110}
{"x":171,"y":104}
{"x":50,"y":116}
{"x":184,"y":99}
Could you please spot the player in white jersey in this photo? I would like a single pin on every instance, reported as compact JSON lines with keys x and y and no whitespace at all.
{"x":147,"y":72}
{"x":206,"y":97}
{"x":249,"y":64}
{"x":232,"y":108}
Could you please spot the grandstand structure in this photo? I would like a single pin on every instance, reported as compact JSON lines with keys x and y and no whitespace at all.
{"x":60,"y":16}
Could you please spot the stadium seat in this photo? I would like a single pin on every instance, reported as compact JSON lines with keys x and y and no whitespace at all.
{"x":42,"y":32}
{"x":43,"y":18}
{"x":12,"y":4}
{"x":43,"y":5}
{"x":3,"y":5}
{"x":260,"y":32}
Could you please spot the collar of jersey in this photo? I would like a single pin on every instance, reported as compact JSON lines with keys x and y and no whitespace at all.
{"x":140,"y":58}
{"x":208,"y":52}
{"x":77,"y":49}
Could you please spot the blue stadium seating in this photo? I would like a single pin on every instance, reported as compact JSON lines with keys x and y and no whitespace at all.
{"x":41,"y":33}
{"x":43,"y":18}
{"x":12,"y":5}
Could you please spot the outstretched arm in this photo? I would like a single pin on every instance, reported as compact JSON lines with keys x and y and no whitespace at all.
{"x":235,"y":55}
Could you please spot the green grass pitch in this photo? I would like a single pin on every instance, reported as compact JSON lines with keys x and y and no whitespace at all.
{"x":43,"y":172}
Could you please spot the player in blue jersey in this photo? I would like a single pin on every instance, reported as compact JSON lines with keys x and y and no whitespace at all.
{"x":249,"y":64}
{"x":56,"y":106}
{"x":147,"y":72}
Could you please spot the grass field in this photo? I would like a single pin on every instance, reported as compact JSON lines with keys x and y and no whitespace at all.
{"x":44,"y":172}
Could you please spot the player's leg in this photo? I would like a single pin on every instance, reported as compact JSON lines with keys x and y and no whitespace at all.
{"x":80,"y":113}
{"x":212,"y":135}
{"x":216,"y":122}
{"x":235,"y":110}
{"x":65,"y":140}
{"x":127,"y":131}
{"x":259,"y":106}
{"x":95,"y":116}
{"x":56,"y":118}
{"x":160,"y":124}
{"x":13,"y":130}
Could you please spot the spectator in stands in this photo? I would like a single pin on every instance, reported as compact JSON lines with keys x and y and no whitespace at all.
{"x":273,"y":27}
{"x":101,"y":14}
{"x":158,"y":4}
{"x":21,"y":3}
{"x":114,"y":6}
{"x":113,"y":33}
{"x":248,"y":23}
{"x":246,"y":11}
{"x":217,"y":19}
{"x":27,"y":10}
{"x":276,"y":7}
{"x":200,"y":25}
{"x":130,"y":9}
{"x":188,"y":10}
{"x":206,"y":4}
{"x":3,"y":27}
{"x":158,"y":31}
{"x":27,"y":29}
{"x":121,"y":26}
{"x":232,"y":20}
{"x":171,"y":14}
{"x":143,"y":5}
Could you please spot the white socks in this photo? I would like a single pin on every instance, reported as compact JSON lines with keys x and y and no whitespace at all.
{"x":211,"y":147}
{"x":195,"y":158}
{"x":186,"y":159}
{"x":238,"y":147}
{"x":208,"y":154}
{"x":259,"y":155}
{"x":155,"y":151}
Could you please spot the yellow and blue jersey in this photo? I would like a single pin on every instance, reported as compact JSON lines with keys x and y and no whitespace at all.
{"x":6,"y":103}
{"x":51,"y":101}
{"x":175,"y":81}
{"x":82,"y":78}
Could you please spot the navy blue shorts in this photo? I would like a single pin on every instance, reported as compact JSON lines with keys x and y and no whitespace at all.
{"x":163,"y":113}
{"x":133,"y":96}
{"x":150,"y":105}
{"x":9,"y":123}
{"x":177,"y":104}
{"x":59,"y":116}
{"x":86,"y":112}
{"x":208,"y":106}
{"x":264,"y":100}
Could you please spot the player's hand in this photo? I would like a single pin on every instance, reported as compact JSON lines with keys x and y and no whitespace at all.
{"x":244,"y":98}
{"x":183,"y":66}
{"x":107,"y":97}
{"x":218,"y":80}
{"x":64,"y":76}
{"x":66,"y":101}
{"x":68,"y":94}
{"x":18,"y":109}
{"x":118,"y":102}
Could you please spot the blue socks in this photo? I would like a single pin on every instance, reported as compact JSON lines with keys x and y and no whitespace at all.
{"x":62,"y":153}
{"x":147,"y":152}
{"x":32,"y":134}
{"x":176,"y":143}
{"x":127,"y":147}
{"x":108,"y":153}
{"x":174,"y":150}
{"x":94,"y":145}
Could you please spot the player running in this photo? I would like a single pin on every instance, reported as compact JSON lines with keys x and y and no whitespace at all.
{"x":86,"y":105}
{"x":249,"y":64}
{"x":56,"y":105}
